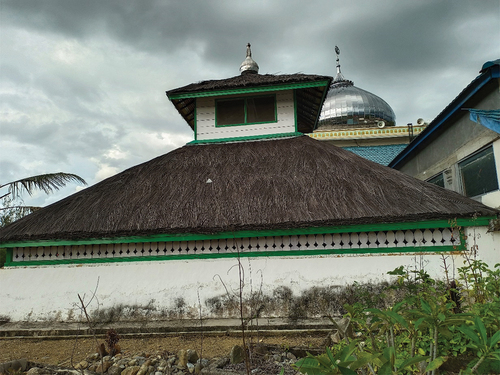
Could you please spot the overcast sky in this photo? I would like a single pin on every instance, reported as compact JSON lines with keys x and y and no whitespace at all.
{"x":83,"y":83}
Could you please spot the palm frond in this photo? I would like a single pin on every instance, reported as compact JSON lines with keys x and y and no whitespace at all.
{"x":45,"y":182}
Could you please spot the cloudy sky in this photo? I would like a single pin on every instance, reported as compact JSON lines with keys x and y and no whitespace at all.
{"x":82,"y":83}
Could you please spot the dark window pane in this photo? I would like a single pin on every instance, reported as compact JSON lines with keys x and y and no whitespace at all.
{"x":261,"y":109}
{"x":437,"y":180}
{"x":230,"y":112}
{"x":479,"y":174}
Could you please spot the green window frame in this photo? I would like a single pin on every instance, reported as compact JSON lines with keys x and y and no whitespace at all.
{"x":246,"y":110}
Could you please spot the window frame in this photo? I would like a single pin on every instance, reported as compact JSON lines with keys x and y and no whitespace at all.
{"x":435,"y":178}
{"x":469,"y":160}
{"x":245,"y":99}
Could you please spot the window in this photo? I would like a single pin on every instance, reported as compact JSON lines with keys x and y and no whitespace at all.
{"x":437,"y":180}
{"x":479,"y":174}
{"x":242,"y":111}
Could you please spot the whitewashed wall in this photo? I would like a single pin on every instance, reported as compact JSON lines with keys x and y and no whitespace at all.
{"x":50,"y":292}
{"x":205,"y":119}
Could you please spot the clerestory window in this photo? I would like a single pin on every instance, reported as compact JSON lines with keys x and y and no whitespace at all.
{"x":245,"y":111}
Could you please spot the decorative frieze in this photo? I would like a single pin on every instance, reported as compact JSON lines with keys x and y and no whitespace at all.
{"x":342,"y":243}
{"x":366,"y":133}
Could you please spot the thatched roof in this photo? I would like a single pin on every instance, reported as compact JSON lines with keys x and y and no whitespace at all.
{"x":309,"y":99}
{"x":275,"y":184}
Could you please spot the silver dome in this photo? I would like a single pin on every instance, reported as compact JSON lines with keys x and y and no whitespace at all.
{"x":349,"y":106}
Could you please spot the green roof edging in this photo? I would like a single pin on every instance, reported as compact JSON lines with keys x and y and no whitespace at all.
{"x":247,"y":138}
{"x":463,"y":222}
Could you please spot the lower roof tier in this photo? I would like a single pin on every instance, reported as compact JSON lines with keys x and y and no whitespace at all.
{"x":285,"y":183}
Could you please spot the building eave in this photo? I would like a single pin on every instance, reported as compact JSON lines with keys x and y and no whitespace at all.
{"x":436,"y":125}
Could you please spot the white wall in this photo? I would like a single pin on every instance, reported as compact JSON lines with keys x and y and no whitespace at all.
{"x":50,"y":292}
{"x":205,"y":119}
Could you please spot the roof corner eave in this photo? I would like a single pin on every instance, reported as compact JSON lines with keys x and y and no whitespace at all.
{"x":477,"y":84}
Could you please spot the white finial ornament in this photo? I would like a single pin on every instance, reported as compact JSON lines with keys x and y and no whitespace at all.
{"x":249,"y":65}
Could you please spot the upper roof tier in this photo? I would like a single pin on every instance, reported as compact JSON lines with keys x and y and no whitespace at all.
{"x":310,"y":92}
{"x":306,"y":93}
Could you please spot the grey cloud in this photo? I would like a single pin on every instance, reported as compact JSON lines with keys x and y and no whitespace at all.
{"x":417,"y":55}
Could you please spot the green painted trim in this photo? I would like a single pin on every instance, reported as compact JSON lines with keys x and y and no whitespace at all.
{"x":250,"y":254}
{"x":9,"y":258}
{"x":247,"y":138}
{"x":244,"y":98}
{"x":295,"y":110}
{"x":247,"y":90}
{"x":484,"y":221}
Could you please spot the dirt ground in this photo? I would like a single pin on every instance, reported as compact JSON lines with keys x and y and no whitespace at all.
{"x":64,"y":352}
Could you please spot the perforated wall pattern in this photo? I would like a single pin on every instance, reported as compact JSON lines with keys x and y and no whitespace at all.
{"x":343,"y":243}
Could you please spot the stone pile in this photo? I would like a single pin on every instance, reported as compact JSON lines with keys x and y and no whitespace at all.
{"x":265,"y":360}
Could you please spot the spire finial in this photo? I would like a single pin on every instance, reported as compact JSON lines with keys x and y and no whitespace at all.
{"x":339,"y":77}
{"x":249,"y":65}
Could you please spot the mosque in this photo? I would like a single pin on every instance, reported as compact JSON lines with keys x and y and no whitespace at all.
{"x":250,"y":191}
{"x":361,"y":122}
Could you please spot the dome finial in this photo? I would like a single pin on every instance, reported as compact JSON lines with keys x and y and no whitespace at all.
{"x":249,"y":65}
{"x":339,"y":77}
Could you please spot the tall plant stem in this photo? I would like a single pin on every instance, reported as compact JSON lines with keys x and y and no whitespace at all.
{"x":434,"y":354}
{"x":242,"y":284}
{"x":477,"y":364}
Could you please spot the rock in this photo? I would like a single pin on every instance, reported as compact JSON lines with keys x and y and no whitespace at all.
{"x":192,"y":356}
{"x":132,"y":370}
{"x":220,"y":362}
{"x":38,"y":371}
{"x":171,"y":360}
{"x":198,"y":367}
{"x":103,"y":366}
{"x":115,"y":370}
{"x":93,"y":357}
{"x":203,"y":362}
{"x":144,"y":369}
{"x":81,"y":365}
{"x":123,"y":362}
{"x":14,"y":366}
{"x":158,"y":373}
{"x":190,"y":367}
{"x":237,"y":355}
{"x":133,"y":362}
{"x":183,"y":359}
{"x":291,"y":356}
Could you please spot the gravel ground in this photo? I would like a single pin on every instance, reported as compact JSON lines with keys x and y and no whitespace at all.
{"x":63,"y":352}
